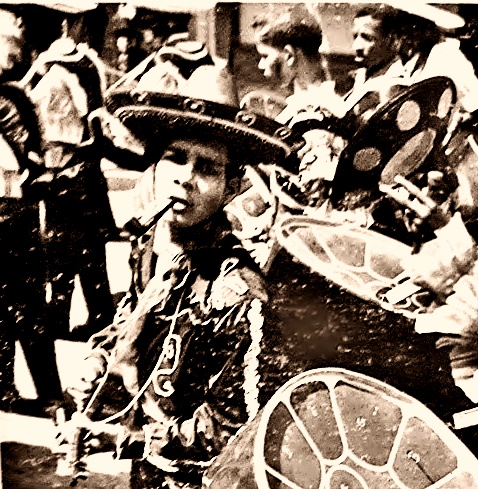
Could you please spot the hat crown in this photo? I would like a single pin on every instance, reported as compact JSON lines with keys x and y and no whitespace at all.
{"x":10,"y":25}
{"x":213,"y":84}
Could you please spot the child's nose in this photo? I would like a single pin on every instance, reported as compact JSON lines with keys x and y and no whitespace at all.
{"x":184,"y":174}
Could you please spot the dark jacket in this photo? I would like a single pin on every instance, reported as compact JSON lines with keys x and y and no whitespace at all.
{"x":204,"y":320}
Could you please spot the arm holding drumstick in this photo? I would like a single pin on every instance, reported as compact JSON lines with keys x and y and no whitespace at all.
{"x":440,"y":262}
{"x":430,"y":205}
{"x":447,"y":265}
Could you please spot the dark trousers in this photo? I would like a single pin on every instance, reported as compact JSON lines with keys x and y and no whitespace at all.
{"x":89,"y":263}
{"x":21,"y":318}
{"x":22,"y":303}
{"x":78,"y":222}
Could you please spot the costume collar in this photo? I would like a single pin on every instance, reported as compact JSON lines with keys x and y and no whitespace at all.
{"x":193,"y":239}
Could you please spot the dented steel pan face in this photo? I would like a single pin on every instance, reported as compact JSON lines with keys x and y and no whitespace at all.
{"x":366,"y":263}
{"x":334,"y":429}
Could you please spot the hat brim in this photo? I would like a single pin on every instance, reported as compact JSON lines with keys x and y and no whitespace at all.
{"x":72,"y":7}
{"x":157,"y":118}
{"x":440,"y":16}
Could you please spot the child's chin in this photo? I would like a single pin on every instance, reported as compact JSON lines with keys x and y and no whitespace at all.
{"x":181,"y":221}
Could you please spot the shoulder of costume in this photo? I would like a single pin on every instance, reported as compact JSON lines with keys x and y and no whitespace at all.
{"x":80,"y":60}
{"x":238,"y":280}
{"x":14,"y":100}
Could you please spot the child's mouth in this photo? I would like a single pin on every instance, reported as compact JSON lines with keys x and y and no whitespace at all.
{"x":180,"y":205}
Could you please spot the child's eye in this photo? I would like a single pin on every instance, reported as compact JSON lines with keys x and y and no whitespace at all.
{"x":168,"y":155}
{"x":173,"y":156}
{"x":207,"y":167}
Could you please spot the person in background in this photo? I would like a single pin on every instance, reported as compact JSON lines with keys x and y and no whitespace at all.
{"x":447,"y":265}
{"x":336,"y":119}
{"x":371,"y":41}
{"x":156,"y":30}
{"x":66,"y":83}
{"x":167,"y":67}
{"x":434,"y":51}
{"x":288,"y":46}
{"x":290,"y":59}
{"x":376,"y":73}
{"x":130,"y":53}
{"x":22,"y":297}
{"x":191,"y":340}
{"x":375,"y":54}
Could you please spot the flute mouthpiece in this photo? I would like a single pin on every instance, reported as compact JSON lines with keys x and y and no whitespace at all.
{"x":137,"y":226}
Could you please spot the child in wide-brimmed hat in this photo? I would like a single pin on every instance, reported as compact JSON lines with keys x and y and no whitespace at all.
{"x":190,"y":342}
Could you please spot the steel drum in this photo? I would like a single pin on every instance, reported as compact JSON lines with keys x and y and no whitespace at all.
{"x":462,"y":156}
{"x":403,"y":137}
{"x":364,"y":262}
{"x":336,"y":429}
{"x":400,"y":138}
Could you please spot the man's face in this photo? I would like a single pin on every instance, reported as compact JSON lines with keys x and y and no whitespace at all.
{"x":11,"y":41}
{"x":371,"y":49}
{"x":273,"y":64}
{"x":151,"y":42}
{"x":11,"y":49}
{"x":194,"y":173}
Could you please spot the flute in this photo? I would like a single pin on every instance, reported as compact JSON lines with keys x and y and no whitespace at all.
{"x":137,"y":226}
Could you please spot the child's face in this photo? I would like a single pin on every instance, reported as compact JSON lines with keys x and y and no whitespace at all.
{"x":194,"y":173}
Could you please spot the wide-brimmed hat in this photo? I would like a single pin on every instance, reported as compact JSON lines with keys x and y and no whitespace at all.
{"x":73,"y":7}
{"x":442,"y":16}
{"x":206,"y":108}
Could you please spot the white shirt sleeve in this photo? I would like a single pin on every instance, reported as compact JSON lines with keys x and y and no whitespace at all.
{"x":446,"y":59}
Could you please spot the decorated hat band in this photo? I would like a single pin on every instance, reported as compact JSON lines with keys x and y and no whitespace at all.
{"x":156,"y":118}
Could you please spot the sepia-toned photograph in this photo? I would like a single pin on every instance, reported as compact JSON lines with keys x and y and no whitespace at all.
{"x":237,"y":245}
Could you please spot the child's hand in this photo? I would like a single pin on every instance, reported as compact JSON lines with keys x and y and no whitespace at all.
{"x":91,"y":371}
{"x":442,"y":261}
